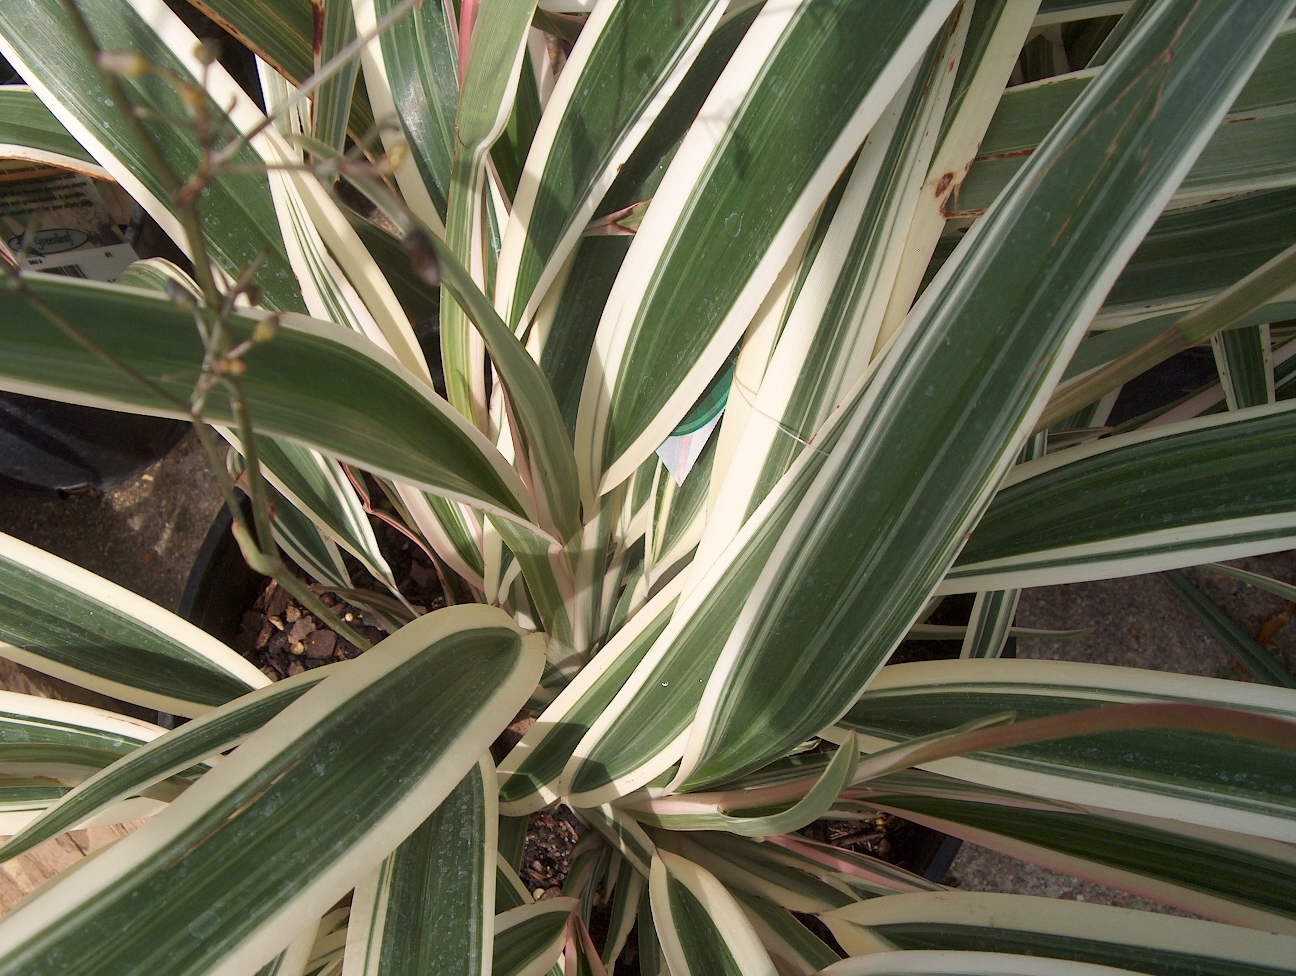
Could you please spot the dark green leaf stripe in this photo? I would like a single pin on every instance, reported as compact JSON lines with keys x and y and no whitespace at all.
{"x":432,"y":919}
{"x":518,"y":946}
{"x":1200,"y":250}
{"x":1242,"y":359}
{"x":366,"y":412}
{"x":1257,"y":660}
{"x":422,"y":66}
{"x":240,"y":216}
{"x":1178,"y":480}
{"x":1119,"y":955}
{"x":703,"y":945}
{"x":641,"y":44}
{"x":829,"y":59}
{"x":943,"y":419}
{"x":385,"y":739}
{"x":25,"y":121}
{"x":174,"y":752}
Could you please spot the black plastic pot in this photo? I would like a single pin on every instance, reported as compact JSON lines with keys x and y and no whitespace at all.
{"x":67,"y":447}
{"x":221,"y":586}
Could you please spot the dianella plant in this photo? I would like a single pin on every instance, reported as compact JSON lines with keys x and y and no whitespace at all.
{"x":762,"y":328}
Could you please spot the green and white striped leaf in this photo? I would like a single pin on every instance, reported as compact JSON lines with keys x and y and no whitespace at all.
{"x":1244,"y":358}
{"x":792,"y":947}
{"x":67,"y":622}
{"x":305,"y":543}
{"x":639,"y":735}
{"x":995,"y":35}
{"x":878,"y":477}
{"x":827,"y":339}
{"x":703,"y":930}
{"x":776,"y":875}
{"x":1190,"y":255}
{"x":794,"y":79}
{"x":48,"y":746}
{"x":29,"y":131}
{"x":529,"y":939}
{"x":331,"y":105}
{"x":1100,"y":934}
{"x":373,"y":413}
{"x":181,"y":749}
{"x":1153,"y":499}
{"x":991,"y":623}
{"x":630,"y":888}
{"x":624,"y":835}
{"x":430,"y":907}
{"x":412,"y":74}
{"x":1225,"y":876}
{"x":589,"y":129}
{"x":282,"y":32}
{"x":490,"y":77}
{"x":530,"y":773}
{"x":318,"y":487}
{"x":941,"y":962}
{"x":388,"y":737}
{"x":1198,"y":777}
{"x":1250,"y":151}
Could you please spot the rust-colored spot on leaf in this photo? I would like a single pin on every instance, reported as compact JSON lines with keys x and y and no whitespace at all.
{"x":943,"y":184}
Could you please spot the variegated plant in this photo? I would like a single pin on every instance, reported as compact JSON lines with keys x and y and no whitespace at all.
{"x":869,"y":290}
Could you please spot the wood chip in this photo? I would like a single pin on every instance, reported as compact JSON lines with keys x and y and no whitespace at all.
{"x":321,"y":644}
{"x":295,"y":667}
{"x":301,"y":629}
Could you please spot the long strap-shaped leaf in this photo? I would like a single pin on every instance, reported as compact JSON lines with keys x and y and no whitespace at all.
{"x":67,"y":622}
{"x":48,"y":746}
{"x":1205,"y":778}
{"x":702,"y":929}
{"x":917,"y":463}
{"x":530,"y":938}
{"x":223,"y":879}
{"x":211,"y":733}
{"x":1250,"y":151}
{"x":430,"y":907}
{"x":816,"y":74}
{"x":29,"y":131}
{"x":412,"y":74}
{"x":489,"y":81}
{"x":1222,"y":875}
{"x":994,"y":40}
{"x":782,"y":877}
{"x":919,"y":962}
{"x":529,"y":772}
{"x":282,"y":32}
{"x":372,"y":411}
{"x":589,"y":129}
{"x":1159,"y":944}
{"x":827,"y":339}
{"x":1162,"y":498}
